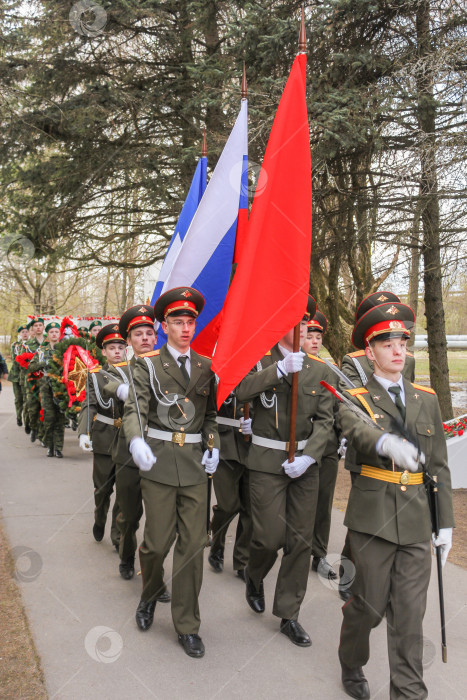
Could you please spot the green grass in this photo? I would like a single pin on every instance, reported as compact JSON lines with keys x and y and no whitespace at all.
{"x":457,"y":360}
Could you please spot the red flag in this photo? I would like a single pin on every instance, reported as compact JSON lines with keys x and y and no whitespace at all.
{"x":268,"y":295}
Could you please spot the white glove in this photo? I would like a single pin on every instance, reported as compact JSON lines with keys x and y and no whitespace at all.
{"x":444,"y":540}
{"x":85,"y":443}
{"x":142,"y":454}
{"x":298,"y":466}
{"x":210,"y":463}
{"x":404,"y":454}
{"x":245,"y":426}
{"x":122,"y":392}
{"x":342,"y":449}
{"x":293,"y":362}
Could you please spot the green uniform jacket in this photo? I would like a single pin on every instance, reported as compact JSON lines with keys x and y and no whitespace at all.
{"x":120,"y":454}
{"x":358,"y":368}
{"x":158,"y":378}
{"x":103,"y":435}
{"x":17,"y":348}
{"x":39,"y":363}
{"x":233,"y":443}
{"x":383,"y":509}
{"x":314,"y":410}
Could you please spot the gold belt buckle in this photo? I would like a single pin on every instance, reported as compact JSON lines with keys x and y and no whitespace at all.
{"x":179,"y":438}
{"x":117,"y":423}
{"x":287,"y":445}
{"x":405,"y":477}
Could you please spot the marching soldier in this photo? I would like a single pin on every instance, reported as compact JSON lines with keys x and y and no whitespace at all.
{"x":98,"y":425}
{"x":328,"y":465}
{"x":36,"y":329}
{"x":232,"y":488}
{"x":283,"y":495}
{"x":359,"y":368}
{"x":18,"y":347}
{"x":136,"y":327}
{"x":54,"y":419}
{"x":175,"y":399}
{"x":388,"y":514}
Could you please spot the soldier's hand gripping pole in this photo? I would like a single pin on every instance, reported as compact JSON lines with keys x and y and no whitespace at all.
{"x":431,"y":483}
{"x":132,"y":384}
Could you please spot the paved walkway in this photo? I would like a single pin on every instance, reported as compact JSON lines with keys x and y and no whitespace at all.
{"x":82,"y":612}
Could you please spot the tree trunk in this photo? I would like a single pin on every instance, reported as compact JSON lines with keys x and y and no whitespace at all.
{"x":434,"y":309}
{"x":414,"y":273}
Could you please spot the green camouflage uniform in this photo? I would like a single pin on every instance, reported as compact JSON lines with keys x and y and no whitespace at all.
{"x":15,"y":377}
{"x":53,"y":427}
{"x":33,"y":401}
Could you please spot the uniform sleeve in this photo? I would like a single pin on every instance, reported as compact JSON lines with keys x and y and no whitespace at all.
{"x":350,"y":371}
{"x":130,"y":425}
{"x":256,"y":382}
{"x":36,"y":365}
{"x":323,"y":421}
{"x":438,"y":465}
{"x":88,"y":407}
{"x":210,"y":424}
{"x":359,"y":434}
{"x":109,"y":388}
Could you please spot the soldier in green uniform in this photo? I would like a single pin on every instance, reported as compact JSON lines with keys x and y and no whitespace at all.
{"x":231,"y":487}
{"x":98,"y":425}
{"x":283,"y":495}
{"x":17,"y":348}
{"x":358,"y":368}
{"x":54,"y":419}
{"x":328,"y":466}
{"x":175,"y":391}
{"x":136,"y":327}
{"x":36,"y":328}
{"x":388,"y":514}
{"x":94,"y":329}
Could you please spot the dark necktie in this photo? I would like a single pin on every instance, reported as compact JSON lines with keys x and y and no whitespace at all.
{"x":182,"y":360}
{"x":396,"y":390}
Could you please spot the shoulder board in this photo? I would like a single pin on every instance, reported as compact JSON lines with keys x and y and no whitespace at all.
{"x":96,"y":369}
{"x":151,"y":353}
{"x":120,"y":364}
{"x":358,"y":390}
{"x":409,"y":354}
{"x":357,"y":353}
{"x":267,"y":353}
{"x":428,"y":389}
{"x":318,"y":359}
{"x":206,"y":357}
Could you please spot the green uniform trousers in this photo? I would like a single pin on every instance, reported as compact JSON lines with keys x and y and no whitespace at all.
{"x":19,"y":403}
{"x":231,"y":484}
{"x":52,"y":429}
{"x":390,"y":579}
{"x":128,"y":496}
{"x":283,"y":513}
{"x":103,"y":477}
{"x":167,"y":508}
{"x":327,"y":483}
{"x":24,"y":391}
{"x":34,"y":411}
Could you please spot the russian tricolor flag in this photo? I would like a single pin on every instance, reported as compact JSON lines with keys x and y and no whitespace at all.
{"x":205,"y":258}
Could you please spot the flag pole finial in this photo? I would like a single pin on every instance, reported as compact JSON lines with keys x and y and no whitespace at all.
{"x":244,"y":83}
{"x":302,"y":37}
{"x":204,"y":147}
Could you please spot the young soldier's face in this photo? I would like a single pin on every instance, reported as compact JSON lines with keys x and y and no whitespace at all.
{"x":313,"y":342}
{"x":179,"y":331}
{"x":142,"y":339}
{"x":95,"y":330}
{"x":37,"y":329}
{"x":388,"y":356}
{"x":53,"y":335}
{"x":24,"y":334}
{"x":114,"y":352}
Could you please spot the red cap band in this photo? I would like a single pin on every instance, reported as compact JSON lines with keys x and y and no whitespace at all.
{"x":180,"y":306}
{"x":385,"y":327}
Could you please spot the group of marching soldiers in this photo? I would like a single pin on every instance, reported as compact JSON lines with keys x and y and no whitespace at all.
{"x":156,"y":435}
{"x":37,"y":408}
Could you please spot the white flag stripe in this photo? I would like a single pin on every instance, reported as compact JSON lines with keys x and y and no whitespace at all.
{"x":217,"y":210}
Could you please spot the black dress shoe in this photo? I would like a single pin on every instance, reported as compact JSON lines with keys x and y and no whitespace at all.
{"x":254,"y":598}
{"x":164,"y":597}
{"x":58,"y":453}
{"x":145,"y":614}
{"x":354,"y":682}
{"x":192,"y":645}
{"x":19,"y":422}
{"x":33,"y":436}
{"x":323,"y":568}
{"x":127,"y":568}
{"x":216,"y":559}
{"x":50,"y":452}
{"x":241,"y":574}
{"x":98,"y":532}
{"x":27,"y":429}
{"x":295,"y":632}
